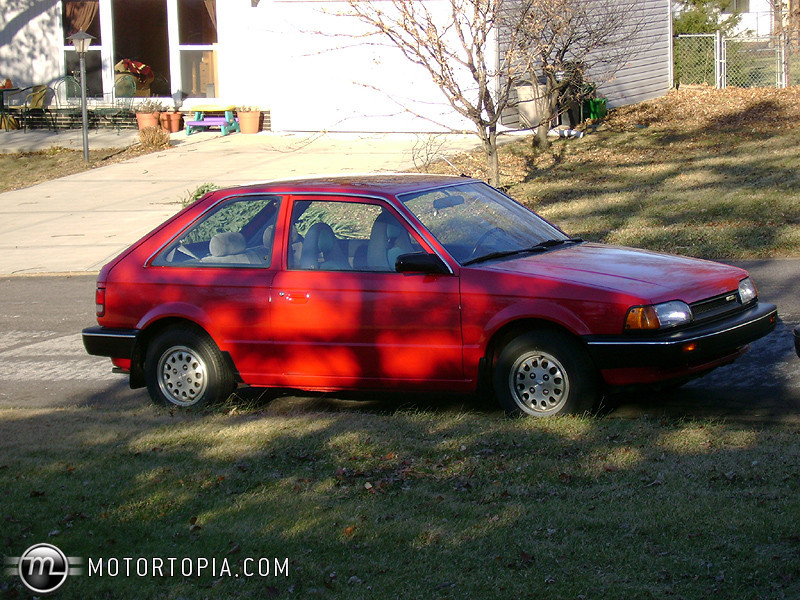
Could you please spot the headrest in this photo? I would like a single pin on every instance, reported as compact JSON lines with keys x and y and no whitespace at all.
{"x":269,"y":235}
{"x":225,"y":244}
{"x":326,"y":240}
{"x":393,"y":229}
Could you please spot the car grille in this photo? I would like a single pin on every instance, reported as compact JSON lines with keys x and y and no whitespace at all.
{"x":717,"y":306}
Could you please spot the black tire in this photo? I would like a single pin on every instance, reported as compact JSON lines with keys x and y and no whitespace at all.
{"x":184,"y":368}
{"x":545,"y":373}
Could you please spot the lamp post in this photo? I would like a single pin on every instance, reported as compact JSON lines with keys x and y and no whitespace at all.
{"x":82,"y":41}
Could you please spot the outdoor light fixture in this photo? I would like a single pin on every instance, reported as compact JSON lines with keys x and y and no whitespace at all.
{"x":82,"y":41}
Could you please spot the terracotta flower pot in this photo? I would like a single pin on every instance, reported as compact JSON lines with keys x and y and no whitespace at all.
{"x":250,"y":121}
{"x":170,"y":121}
{"x":147,"y":120}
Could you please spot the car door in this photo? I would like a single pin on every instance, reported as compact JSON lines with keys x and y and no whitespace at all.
{"x":342,"y":316}
{"x":218,"y":273}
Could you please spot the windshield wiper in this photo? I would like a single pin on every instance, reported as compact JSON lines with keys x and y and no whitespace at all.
{"x":540,"y":247}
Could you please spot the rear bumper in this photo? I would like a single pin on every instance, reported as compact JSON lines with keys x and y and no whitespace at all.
{"x":115,"y":343}
{"x":689,"y":347}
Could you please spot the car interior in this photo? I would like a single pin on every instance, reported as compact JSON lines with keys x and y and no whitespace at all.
{"x":336,"y":237}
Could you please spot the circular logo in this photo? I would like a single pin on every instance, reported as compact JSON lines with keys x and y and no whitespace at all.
{"x":43,"y":568}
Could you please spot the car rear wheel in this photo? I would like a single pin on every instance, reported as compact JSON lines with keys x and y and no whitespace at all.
{"x":184,"y":368}
{"x":543,"y":374}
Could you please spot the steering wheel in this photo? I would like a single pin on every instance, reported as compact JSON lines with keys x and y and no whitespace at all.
{"x":483,"y":238}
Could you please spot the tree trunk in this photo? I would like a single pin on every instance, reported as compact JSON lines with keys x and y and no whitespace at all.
{"x":492,"y":159}
{"x":541,"y":140}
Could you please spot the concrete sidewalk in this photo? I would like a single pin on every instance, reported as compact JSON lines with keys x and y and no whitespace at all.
{"x":78,"y":223}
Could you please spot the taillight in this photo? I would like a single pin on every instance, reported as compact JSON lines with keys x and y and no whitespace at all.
{"x":100,"y":300}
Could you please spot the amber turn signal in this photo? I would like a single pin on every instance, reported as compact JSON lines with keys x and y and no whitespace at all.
{"x":642,"y":317}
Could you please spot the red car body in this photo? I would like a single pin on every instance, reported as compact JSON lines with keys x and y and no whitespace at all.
{"x":416,"y":327}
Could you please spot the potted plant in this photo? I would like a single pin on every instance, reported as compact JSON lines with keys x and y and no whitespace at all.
{"x":249,"y":119}
{"x":147,"y":114}
{"x":171,"y":120}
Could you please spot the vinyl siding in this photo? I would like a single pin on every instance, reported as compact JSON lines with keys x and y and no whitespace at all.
{"x":647,"y":72}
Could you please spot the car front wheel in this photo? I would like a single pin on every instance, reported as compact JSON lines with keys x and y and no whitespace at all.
{"x":184,"y":368}
{"x":545,"y":373}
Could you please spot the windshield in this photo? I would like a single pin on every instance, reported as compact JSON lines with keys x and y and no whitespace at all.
{"x":474,"y":221}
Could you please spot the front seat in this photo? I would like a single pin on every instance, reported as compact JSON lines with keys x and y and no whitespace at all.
{"x":387,"y":241}
{"x":229,"y":248}
{"x":321,"y":241}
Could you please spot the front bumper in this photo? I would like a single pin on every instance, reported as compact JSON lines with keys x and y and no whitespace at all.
{"x":691,"y":346}
{"x":104,"y":341}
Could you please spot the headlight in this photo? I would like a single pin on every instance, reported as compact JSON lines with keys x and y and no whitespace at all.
{"x":747,"y":291}
{"x":658,"y":316}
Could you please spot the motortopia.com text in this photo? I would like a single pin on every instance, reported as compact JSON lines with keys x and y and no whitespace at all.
{"x":186,"y":567}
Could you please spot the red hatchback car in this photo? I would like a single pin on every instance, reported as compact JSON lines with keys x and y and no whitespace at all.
{"x":408,"y":282}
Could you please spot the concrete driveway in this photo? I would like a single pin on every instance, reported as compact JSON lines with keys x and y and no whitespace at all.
{"x":78,"y":223}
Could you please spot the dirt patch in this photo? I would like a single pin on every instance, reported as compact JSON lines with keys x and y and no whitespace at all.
{"x":29,"y":168}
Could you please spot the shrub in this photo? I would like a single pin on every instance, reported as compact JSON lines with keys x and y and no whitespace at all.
{"x":200,"y":191}
{"x":154,"y":138}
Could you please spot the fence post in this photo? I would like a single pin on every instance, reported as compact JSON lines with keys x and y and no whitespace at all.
{"x":784,"y":70}
{"x":719,"y":61}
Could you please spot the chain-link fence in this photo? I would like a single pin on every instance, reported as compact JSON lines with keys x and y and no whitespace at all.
{"x":733,"y":61}
{"x":696,"y":59}
{"x":753,"y":62}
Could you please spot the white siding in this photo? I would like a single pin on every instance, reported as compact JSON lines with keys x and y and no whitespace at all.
{"x":647,"y":73}
{"x":30,"y":41}
{"x":315,"y":71}
{"x":285,"y":56}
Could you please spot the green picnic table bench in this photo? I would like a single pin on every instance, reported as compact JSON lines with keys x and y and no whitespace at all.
{"x":221,"y":116}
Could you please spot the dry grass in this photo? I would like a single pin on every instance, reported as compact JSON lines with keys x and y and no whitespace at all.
{"x":29,"y":168}
{"x":701,"y":172}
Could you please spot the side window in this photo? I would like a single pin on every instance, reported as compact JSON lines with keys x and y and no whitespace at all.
{"x":346,"y":236}
{"x":237,"y":233}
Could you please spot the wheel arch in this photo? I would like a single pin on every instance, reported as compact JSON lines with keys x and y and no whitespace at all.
{"x":153,"y":330}
{"x":508,"y":332}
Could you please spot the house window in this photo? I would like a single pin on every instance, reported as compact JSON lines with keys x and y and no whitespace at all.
{"x":140,"y":36}
{"x":198,"y":57}
{"x":176,"y":40}
{"x":737,"y":6}
{"x":83,"y":15}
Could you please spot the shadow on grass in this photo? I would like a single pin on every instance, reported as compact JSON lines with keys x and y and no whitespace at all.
{"x":722,"y":191}
{"x":402,"y":496}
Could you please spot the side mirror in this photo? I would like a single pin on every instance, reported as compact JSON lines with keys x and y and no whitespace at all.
{"x":421,"y":262}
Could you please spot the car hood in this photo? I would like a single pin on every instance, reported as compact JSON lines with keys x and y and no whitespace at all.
{"x":651,"y":276}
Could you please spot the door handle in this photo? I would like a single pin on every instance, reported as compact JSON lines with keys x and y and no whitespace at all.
{"x":295,"y":297}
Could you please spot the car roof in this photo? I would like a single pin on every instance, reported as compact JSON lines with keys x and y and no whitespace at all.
{"x":381,"y":184}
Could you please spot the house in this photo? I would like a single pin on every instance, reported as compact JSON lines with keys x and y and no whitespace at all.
{"x":297,"y":58}
{"x":756,"y":17}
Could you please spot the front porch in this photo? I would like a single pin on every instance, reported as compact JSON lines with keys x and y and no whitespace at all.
{"x":99,"y":117}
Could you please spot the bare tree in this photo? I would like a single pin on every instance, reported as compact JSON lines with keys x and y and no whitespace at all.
{"x":479,"y":51}
{"x":786,"y":25}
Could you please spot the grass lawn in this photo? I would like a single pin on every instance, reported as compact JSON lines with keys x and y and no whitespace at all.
{"x":405,"y":505}
{"x":699,"y":172}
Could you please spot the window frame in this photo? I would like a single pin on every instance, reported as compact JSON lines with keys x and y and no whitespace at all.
{"x":158,"y":258}
{"x":414,"y":234}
